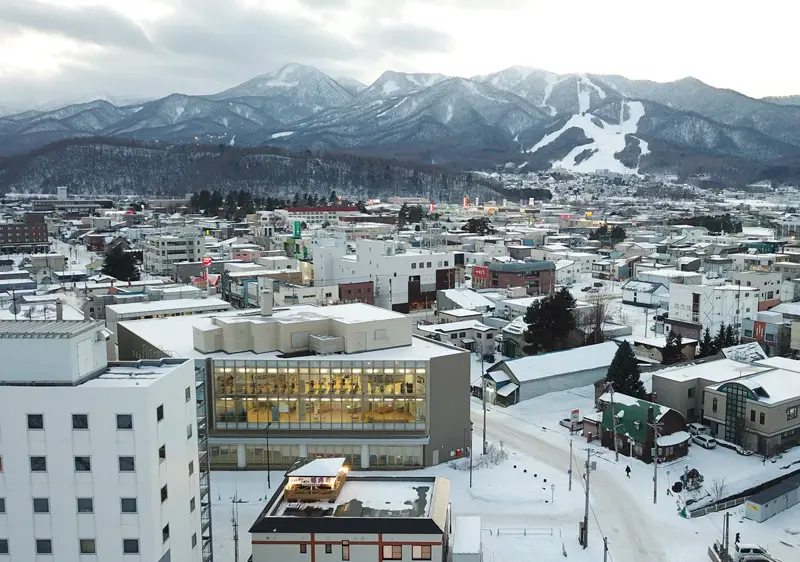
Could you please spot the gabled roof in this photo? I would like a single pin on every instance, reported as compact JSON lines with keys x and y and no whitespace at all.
{"x":560,"y":362}
{"x":631,"y":414}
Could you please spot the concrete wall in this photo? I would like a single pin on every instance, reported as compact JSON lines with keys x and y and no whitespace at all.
{"x":448,"y":405}
{"x":131,"y":347}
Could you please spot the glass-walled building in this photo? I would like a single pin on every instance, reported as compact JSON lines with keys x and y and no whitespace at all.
{"x":345,"y":380}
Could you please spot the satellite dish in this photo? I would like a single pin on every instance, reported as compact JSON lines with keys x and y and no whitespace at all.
{"x":14,"y":308}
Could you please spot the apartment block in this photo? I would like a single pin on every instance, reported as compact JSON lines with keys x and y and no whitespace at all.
{"x":28,"y":235}
{"x":693,"y":308}
{"x":164,"y":251}
{"x":98,"y":461}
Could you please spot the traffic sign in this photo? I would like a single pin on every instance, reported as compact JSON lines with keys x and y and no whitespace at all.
{"x":207,"y":261}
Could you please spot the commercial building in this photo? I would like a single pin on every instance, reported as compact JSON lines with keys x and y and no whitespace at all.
{"x":635,"y":433}
{"x":758,"y":411}
{"x":319,"y":215}
{"x":341,"y":517}
{"x":405,"y":279}
{"x":99,"y":461}
{"x":766,"y":283}
{"x":693,"y":308}
{"x":164,"y":251}
{"x":347,"y":380}
{"x":26,"y":236}
{"x":770,"y":330}
{"x":538,"y":277}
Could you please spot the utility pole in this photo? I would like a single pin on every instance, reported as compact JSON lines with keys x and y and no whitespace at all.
{"x":570,"y":464}
{"x":483,"y":395}
{"x":605,"y":549}
{"x":235,"y":523}
{"x":726,"y":538}
{"x":655,"y":426}
{"x":614,"y":422}
{"x":470,"y":454}
{"x":586,"y":509}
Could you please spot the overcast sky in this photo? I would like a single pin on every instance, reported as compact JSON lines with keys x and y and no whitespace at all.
{"x":61,"y":50}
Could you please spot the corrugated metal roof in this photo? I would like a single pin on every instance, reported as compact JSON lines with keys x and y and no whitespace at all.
{"x":44,"y":328}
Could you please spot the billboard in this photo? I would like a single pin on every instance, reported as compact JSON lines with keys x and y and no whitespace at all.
{"x":480,"y":272}
{"x":296,"y":229}
{"x":206,"y":261}
{"x":759,"y":330}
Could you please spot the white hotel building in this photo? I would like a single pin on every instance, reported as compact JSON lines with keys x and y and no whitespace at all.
{"x":98,"y":461}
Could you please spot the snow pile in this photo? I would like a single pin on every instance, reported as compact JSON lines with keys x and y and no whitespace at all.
{"x":607,"y":139}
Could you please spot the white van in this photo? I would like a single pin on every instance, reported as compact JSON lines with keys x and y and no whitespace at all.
{"x":750,"y":553}
{"x":705,"y":441}
{"x":698,"y":429}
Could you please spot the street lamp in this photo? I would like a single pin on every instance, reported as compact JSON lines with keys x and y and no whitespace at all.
{"x":269,"y":464}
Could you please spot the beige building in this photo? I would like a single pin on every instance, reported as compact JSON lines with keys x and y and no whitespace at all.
{"x":344,"y":380}
{"x":758,"y":412}
{"x":162,"y":252}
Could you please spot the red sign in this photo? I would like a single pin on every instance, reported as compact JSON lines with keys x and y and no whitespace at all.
{"x":480,"y":272}
{"x":759,"y":330}
{"x":206,"y":261}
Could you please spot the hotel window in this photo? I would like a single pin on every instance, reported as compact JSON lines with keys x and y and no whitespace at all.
{"x":85,"y":505}
{"x":127,"y":464}
{"x":392,"y":552}
{"x":83,"y":464}
{"x":38,"y":464}
{"x":714,"y":405}
{"x":44,"y":546}
{"x":164,"y":493}
{"x":160,"y":413}
{"x":421,"y":552}
{"x":124,"y":421}
{"x":128,"y":505}
{"x":791,"y":413}
{"x":188,"y":393}
{"x":87,"y":546}
{"x":130,"y":546}
{"x":3,"y":546}
{"x":345,"y":550}
{"x":41,"y":505}
{"x":303,"y":548}
{"x":328,"y":548}
{"x":762,"y":418}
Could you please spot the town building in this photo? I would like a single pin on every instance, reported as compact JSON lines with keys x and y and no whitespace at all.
{"x":512,"y":381}
{"x":693,"y":308}
{"x":767,"y":283}
{"x":639,"y":426}
{"x":99,"y":461}
{"x":652,"y":348}
{"x":758,"y":412}
{"x":645,"y":294}
{"x":471,"y":335}
{"x":164,"y":251}
{"x":538,"y":277}
{"x":28,"y":235}
{"x":770,"y":330}
{"x":348,"y":380}
{"x":462,"y":298}
{"x":321,"y":512}
{"x":405,"y":279}
{"x":319,"y":215}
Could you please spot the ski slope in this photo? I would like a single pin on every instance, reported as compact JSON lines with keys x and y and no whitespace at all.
{"x":606,"y":139}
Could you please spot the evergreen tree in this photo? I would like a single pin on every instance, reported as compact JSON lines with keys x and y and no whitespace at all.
{"x":731,"y":338}
{"x":550,"y":322}
{"x":333,"y":199}
{"x":403,"y":216}
{"x":623,"y":373}
{"x":121,"y":265}
{"x":673,"y":351}
{"x":719,"y":339}
{"x":706,"y":346}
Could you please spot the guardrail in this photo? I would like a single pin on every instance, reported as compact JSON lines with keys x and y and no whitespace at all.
{"x":716,"y":507}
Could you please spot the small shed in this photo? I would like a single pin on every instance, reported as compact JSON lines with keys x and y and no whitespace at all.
{"x":467,"y":541}
{"x":780,"y":497}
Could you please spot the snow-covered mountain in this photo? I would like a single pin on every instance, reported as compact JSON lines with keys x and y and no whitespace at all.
{"x":580,"y":122}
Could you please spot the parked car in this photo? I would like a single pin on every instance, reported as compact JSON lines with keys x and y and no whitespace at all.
{"x":750,"y":553}
{"x":744,"y":452}
{"x":698,"y":429}
{"x":705,"y":441}
{"x":585,"y":289}
{"x":566,"y":422}
{"x":598,"y":283}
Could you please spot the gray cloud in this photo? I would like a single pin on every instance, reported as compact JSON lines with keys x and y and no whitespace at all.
{"x":204,"y":47}
{"x":93,"y":24}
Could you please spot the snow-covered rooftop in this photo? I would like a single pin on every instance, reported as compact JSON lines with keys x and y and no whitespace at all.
{"x":448,"y":327}
{"x":562,"y":362}
{"x":779,"y":385}
{"x":467,"y":535}
{"x":460,"y":312}
{"x":717,"y":371}
{"x":168,"y":305}
{"x":320,"y":467}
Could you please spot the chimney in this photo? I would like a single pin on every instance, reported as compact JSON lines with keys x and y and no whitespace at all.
{"x":59,"y":310}
{"x":266,"y":302}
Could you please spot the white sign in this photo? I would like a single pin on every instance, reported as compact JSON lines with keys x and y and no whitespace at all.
{"x":574,"y":416}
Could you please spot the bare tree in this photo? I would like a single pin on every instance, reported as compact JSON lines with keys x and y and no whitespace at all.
{"x":594,"y":319}
{"x":719,"y":487}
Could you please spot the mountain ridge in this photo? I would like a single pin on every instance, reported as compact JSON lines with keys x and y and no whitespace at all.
{"x":468,"y":123}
